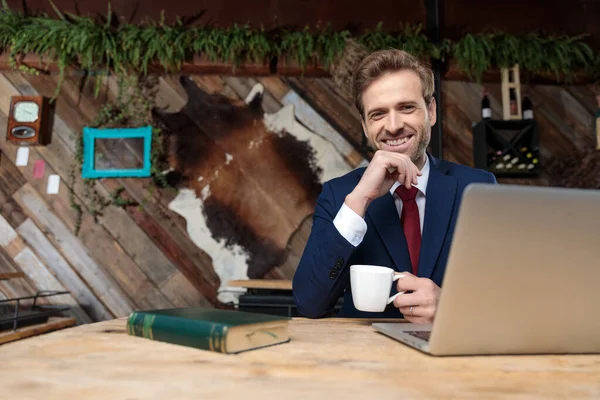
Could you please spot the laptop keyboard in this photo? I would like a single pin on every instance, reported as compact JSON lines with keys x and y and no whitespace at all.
{"x":420,"y":334}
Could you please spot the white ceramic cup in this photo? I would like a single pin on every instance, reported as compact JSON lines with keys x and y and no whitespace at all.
{"x":371,"y":285}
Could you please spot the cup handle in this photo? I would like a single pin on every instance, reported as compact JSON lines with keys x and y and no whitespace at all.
{"x":394,"y":279}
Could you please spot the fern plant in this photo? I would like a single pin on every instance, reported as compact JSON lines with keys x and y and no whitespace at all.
{"x":102,"y":42}
{"x":329,"y":45}
{"x":557,"y":55}
{"x":378,"y":39}
{"x":563,"y":55}
{"x":156,"y":43}
{"x":410,"y":39}
{"x":474,"y":54}
{"x":299,"y":46}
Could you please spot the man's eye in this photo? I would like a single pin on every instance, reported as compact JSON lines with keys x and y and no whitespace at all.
{"x":408,"y":108}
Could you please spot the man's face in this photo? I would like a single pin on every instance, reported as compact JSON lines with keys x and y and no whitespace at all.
{"x":396,"y":117}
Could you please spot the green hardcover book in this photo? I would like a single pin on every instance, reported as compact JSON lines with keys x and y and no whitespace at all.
{"x":224,"y":331}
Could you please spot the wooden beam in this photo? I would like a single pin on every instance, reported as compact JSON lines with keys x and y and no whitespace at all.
{"x":201,"y":66}
{"x":271,"y":14}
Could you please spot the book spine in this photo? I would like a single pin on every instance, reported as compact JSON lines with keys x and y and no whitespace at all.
{"x":204,"y":335}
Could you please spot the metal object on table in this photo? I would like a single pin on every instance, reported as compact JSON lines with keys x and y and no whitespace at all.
{"x":36,"y":311}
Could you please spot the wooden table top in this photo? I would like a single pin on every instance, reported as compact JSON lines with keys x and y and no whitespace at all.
{"x":282,"y":284}
{"x":329,"y":359}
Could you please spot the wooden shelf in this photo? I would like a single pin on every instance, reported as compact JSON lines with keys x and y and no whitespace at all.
{"x":506,"y":137}
{"x":11,"y":275}
{"x":278,"y":284}
{"x":196,"y":65}
{"x":493,"y":75}
{"x":200,"y":65}
{"x":53,"y":324}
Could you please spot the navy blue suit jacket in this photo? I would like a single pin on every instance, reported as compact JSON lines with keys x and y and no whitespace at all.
{"x":323,"y":274}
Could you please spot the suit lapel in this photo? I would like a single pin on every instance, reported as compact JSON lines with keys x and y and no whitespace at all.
{"x":441,"y":194}
{"x":384,"y":217}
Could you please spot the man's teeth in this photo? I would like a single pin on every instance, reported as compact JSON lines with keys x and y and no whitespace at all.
{"x":397,"y":142}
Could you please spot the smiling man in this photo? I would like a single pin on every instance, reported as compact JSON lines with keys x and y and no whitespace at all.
{"x":399,"y":212}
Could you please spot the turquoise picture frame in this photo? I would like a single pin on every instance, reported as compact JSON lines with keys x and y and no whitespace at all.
{"x":89,"y":138}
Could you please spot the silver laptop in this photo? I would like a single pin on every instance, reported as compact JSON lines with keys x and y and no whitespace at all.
{"x":523,"y":276}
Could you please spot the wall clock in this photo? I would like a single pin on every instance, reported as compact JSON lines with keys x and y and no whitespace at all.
{"x":29,"y":120}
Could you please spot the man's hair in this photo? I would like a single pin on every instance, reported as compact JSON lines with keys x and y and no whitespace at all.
{"x":382,"y":62}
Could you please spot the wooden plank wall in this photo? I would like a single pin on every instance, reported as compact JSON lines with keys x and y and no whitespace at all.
{"x":564,"y":114}
{"x":141,"y":257}
{"x":126,"y":260}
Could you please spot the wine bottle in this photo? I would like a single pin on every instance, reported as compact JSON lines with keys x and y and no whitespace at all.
{"x":598,"y":125}
{"x":486,"y":111}
{"x":513,"y":102}
{"x":527,"y":108}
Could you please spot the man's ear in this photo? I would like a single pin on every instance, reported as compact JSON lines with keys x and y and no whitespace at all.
{"x":432,"y":111}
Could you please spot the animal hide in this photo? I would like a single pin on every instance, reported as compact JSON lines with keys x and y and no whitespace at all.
{"x":246,"y":179}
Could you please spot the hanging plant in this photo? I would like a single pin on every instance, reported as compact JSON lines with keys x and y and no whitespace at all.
{"x":559,"y":56}
{"x":155,"y":43}
{"x":474,"y":54}
{"x":103,"y":44}
{"x":410,"y":39}
{"x":299,"y":46}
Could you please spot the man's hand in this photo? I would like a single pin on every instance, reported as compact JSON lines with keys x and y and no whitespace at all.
{"x":384,"y":169}
{"x":423,"y":299}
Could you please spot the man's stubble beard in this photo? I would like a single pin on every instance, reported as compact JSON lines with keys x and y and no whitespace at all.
{"x":425,"y":137}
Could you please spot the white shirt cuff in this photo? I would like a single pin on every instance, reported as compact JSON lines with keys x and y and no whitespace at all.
{"x":350,"y":225}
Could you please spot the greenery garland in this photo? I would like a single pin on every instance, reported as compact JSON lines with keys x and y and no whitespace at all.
{"x":558,"y":55}
{"x":91,"y":43}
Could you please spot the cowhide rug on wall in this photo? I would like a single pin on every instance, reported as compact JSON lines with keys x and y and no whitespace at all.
{"x":247,"y":179}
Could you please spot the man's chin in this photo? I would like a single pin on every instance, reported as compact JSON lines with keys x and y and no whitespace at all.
{"x":398,"y":150}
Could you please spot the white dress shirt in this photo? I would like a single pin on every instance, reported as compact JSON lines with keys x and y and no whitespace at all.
{"x":353,"y":227}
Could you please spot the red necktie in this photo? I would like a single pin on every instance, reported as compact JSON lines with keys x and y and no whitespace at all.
{"x":411,"y":223}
